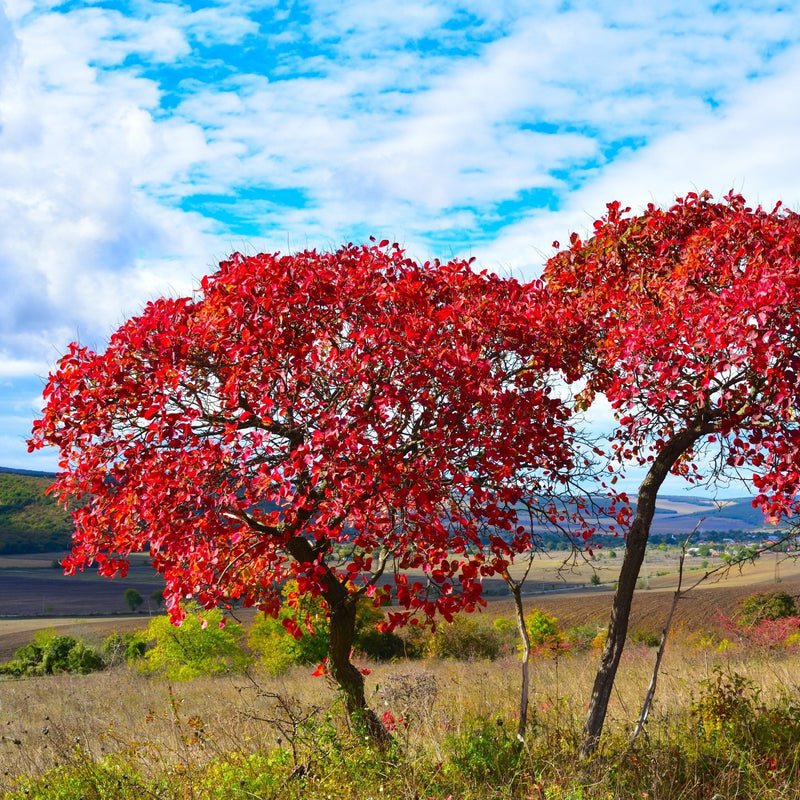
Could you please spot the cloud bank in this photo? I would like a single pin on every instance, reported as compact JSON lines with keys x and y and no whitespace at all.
{"x":142,"y":142}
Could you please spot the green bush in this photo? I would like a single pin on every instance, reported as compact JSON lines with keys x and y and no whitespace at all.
{"x":84,"y":659}
{"x":49,"y":653}
{"x":733,"y":718}
{"x":278,"y":650}
{"x":369,"y":641}
{"x":580,"y":637}
{"x":465,"y":638}
{"x":122,"y":647}
{"x":644,"y":636}
{"x":765,"y":605}
{"x":200,"y":646}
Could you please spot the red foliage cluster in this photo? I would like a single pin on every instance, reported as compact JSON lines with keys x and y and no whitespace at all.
{"x":313,"y":417}
{"x":686,"y":319}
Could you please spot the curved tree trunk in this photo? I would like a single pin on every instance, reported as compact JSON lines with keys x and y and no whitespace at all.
{"x":345,"y":673}
{"x":635,"y":548}
{"x":342,"y":613}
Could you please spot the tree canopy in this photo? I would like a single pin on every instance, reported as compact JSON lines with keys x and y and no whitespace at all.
{"x":686,"y":320}
{"x":321,"y":417}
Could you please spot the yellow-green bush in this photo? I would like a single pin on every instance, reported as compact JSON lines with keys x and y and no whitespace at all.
{"x":201,"y":645}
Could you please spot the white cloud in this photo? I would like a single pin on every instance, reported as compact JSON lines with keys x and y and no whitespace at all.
{"x":750,"y":148}
{"x":429,"y":123}
{"x":11,"y":367}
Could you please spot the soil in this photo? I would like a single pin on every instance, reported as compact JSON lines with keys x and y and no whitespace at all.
{"x":35,"y":595}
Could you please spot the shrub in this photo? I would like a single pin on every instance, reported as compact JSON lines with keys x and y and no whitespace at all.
{"x":49,"y":653}
{"x":644,"y":636}
{"x":765,"y":605}
{"x":769,"y":634}
{"x":119,"y":648}
{"x":731,"y":713}
{"x":543,"y":631}
{"x":465,"y":638}
{"x":201,"y":645}
{"x":83,"y":659}
{"x":278,"y":650}
{"x":599,"y":641}
{"x":580,"y":637}
{"x":379,"y":645}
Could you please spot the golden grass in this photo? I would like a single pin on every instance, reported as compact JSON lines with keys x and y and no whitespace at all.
{"x":160,"y":726}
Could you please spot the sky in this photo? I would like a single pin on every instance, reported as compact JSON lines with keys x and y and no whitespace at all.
{"x":143,"y":142}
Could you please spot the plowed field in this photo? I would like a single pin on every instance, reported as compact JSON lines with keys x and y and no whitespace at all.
{"x":32,"y":594}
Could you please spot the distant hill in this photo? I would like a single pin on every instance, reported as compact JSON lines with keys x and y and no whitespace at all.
{"x":678,"y":515}
{"x":30,"y":520}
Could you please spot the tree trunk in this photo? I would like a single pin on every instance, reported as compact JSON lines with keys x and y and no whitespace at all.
{"x":345,"y":673}
{"x":516,"y":591}
{"x":635,"y":548}
{"x":342,"y":612}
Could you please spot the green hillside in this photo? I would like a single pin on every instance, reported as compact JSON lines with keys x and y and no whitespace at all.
{"x":30,"y":520}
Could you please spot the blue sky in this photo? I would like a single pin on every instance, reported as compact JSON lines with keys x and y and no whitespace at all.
{"x":141,"y":142}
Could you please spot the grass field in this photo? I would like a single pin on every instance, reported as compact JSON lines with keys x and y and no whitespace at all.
{"x":457,"y":717}
{"x":725,"y":723}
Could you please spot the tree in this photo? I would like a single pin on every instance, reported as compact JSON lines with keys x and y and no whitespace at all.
{"x":133,"y":598}
{"x":326,"y":418}
{"x":686,"y":320}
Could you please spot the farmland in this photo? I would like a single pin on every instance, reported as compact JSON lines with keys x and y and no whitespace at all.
{"x":35,"y":595}
{"x":123,"y":734}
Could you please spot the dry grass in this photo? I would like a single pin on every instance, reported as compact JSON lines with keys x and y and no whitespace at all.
{"x":161,"y":726}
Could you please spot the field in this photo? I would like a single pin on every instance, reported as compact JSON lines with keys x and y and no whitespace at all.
{"x":118,"y":734}
{"x":34,"y":595}
{"x":725,"y":723}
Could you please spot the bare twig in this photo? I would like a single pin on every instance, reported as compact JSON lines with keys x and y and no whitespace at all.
{"x":679,"y":593}
{"x":651,"y":690}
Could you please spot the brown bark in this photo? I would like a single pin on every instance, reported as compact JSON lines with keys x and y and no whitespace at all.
{"x":345,"y":673}
{"x":635,"y":548}
{"x":342,"y":618}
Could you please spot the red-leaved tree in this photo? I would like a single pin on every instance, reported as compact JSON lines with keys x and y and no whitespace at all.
{"x":337,"y":419}
{"x":687,"y":320}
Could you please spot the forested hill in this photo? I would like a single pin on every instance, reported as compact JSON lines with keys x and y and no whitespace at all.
{"x":30,"y":520}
